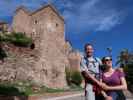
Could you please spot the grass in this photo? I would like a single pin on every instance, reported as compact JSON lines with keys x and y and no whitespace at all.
{"x":28,"y":88}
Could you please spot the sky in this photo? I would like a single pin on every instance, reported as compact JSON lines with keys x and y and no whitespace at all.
{"x":103,"y":23}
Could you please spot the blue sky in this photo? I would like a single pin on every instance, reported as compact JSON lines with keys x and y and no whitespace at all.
{"x":104,"y":23}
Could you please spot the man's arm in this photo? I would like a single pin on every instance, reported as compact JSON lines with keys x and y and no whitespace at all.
{"x":86,"y":74}
{"x":89,"y":76}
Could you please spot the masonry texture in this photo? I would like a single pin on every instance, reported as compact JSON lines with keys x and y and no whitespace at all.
{"x":46,"y":63}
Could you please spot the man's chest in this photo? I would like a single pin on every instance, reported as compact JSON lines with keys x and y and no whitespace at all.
{"x":92,"y":65}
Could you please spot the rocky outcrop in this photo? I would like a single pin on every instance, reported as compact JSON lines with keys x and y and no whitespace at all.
{"x":24,"y":64}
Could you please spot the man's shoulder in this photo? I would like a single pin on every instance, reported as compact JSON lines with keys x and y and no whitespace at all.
{"x":97,"y":58}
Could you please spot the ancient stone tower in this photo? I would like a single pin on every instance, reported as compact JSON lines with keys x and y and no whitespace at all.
{"x":46,"y":27}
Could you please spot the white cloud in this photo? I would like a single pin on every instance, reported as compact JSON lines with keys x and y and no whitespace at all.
{"x":80,"y":15}
{"x":109,"y":22}
{"x":91,"y":15}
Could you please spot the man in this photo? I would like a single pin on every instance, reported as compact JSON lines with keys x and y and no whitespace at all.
{"x":91,"y":72}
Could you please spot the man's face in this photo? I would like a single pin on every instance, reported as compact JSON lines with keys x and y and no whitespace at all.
{"x":89,"y":51}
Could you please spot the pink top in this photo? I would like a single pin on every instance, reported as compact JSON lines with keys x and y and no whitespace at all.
{"x":114,"y":79}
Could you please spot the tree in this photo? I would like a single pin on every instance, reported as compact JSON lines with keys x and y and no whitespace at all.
{"x":123,"y":58}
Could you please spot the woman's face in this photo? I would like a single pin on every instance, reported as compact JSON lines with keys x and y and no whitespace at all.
{"x":108,"y":62}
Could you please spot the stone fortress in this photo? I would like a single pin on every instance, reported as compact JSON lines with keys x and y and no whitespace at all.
{"x":46,"y":63}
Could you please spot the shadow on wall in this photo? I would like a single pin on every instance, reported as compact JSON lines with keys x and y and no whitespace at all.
{"x":2,"y":54}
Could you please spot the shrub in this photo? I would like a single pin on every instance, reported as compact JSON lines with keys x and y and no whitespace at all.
{"x":129,"y":75}
{"x":73,"y":77}
{"x":68,"y":76}
{"x":76,"y":78}
{"x":18,"y":39}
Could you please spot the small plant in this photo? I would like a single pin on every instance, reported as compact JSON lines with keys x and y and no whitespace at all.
{"x":9,"y":89}
{"x":129,"y":76}
{"x":73,"y":77}
{"x":68,"y":76}
{"x":76,"y":78}
{"x":18,"y":39}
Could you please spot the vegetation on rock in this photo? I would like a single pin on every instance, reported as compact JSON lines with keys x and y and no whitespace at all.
{"x":18,"y":39}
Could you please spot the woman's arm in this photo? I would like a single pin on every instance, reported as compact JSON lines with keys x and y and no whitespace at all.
{"x":123,"y":85}
{"x":106,"y":96}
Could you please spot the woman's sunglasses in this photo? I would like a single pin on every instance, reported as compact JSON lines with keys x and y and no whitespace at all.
{"x":108,"y":59}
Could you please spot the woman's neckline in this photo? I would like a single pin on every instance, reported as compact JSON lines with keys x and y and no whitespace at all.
{"x":111,"y":74}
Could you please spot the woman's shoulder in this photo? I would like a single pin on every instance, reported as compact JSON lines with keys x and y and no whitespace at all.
{"x":120,"y":72}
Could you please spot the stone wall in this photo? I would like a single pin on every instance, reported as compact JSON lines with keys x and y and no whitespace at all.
{"x":21,"y":22}
{"x":51,"y":45}
{"x":24,"y":64}
{"x":74,"y":60}
{"x":46,"y":63}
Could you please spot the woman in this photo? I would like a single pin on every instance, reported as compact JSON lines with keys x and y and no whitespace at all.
{"x":114,"y":80}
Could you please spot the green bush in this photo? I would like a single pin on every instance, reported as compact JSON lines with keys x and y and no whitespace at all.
{"x":76,"y":78}
{"x":129,"y":75}
{"x":9,"y":89}
{"x":73,"y":77}
{"x":18,"y":39}
{"x":68,"y":76}
{"x":26,"y":88}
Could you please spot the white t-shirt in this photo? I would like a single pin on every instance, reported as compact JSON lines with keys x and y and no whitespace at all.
{"x":90,"y":64}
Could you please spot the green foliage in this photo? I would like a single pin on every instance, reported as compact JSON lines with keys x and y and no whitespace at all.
{"x":68,"y":76}
{"x":129,"y":75}
{"x":26,"y":88}
{"x":9,"y":89}
{"x":18,"y":39}
{"x":51,"y":90}
{"x":76,"y":77}
{"x":73,"y":77}
{"x":126,"y":61}
{"x":17,"y":88}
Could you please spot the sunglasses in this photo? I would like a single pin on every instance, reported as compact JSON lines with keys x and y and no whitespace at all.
{"x":108,"y":59}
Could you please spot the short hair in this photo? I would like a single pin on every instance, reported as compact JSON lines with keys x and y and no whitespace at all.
{"x":86,"y":45}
